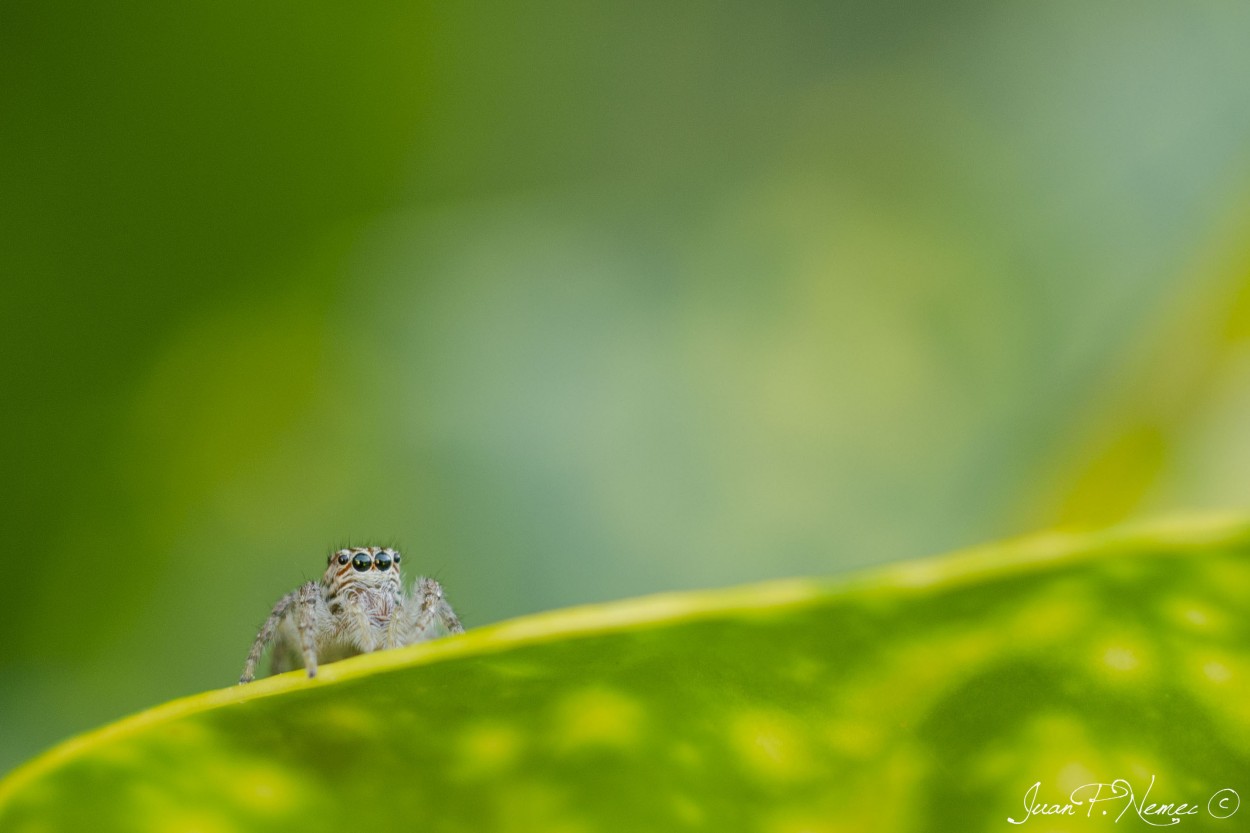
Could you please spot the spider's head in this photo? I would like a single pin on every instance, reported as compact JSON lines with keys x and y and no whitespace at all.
{"x":368,"y":566}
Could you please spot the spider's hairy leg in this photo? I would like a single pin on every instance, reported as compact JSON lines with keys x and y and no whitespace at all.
{"x":301,"y":598}
{"x":428,"y":603}
{"x":448,"y":617}
{"x":265,"y":636}
{"x":306,"y":620}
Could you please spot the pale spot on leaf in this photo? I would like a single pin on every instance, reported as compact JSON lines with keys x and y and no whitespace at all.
{"x":1124,"y":656}
{"x":1121,"y":659}
{"x":598,"y":717}
{"x":1217,"y":672}
{"x":488,"y":749}
{"x":264,"y":788}
{"x":770,"y":744}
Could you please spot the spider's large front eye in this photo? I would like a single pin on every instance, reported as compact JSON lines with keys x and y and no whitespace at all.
{"x":362,"y":562}
{"x":382,"y":561}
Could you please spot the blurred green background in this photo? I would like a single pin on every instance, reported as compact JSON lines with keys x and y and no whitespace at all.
{"x":579,"y":301}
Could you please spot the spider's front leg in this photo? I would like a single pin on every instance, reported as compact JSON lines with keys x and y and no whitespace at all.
{"x":306,"y":601}
{"x":427,"y":605}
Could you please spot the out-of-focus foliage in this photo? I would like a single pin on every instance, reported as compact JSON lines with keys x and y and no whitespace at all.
{"x":930,"y":696}
{"x":578,"y":301}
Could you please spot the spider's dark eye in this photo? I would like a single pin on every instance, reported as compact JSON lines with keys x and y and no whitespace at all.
{"x":362,"y":562}
{"x":382,"y":561}
{"x":396,"y":559}
{"x":344,"y":558}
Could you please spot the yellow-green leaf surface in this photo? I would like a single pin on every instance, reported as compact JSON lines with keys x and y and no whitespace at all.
{"x":928,"y":696}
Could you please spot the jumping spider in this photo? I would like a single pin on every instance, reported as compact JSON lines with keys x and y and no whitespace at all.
{"x":359,"y":605}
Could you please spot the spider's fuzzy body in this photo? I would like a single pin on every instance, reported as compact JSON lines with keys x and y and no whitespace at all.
{"x":359,"y":605}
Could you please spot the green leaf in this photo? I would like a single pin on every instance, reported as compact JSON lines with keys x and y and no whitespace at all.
{"x":927,"y":696}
